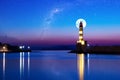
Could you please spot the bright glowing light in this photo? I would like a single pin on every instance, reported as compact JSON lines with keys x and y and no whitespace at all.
{"x":80,"y":32}
{"x":20,"y":47}
{"x":4,"y":47}
{"x":83,"y":42}
{"x":28,"y":47}
{"x":80,"y":37}
{"x":78,"y":22}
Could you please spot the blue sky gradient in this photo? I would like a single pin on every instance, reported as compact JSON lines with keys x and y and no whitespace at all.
{"x":38,"y":21}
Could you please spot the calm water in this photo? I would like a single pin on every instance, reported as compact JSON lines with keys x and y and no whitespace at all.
{"x":58,"y":65}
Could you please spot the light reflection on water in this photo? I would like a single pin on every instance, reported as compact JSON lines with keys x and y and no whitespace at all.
{"x":38,"y":66}
{"x":80,"y":63}
{"x":98,"y":67}
{"x":83,"y":64}
{"x":22,"y":64}
{"x":28,"y":65}
{"x":3,"y":66}
{"x":58,"y":65}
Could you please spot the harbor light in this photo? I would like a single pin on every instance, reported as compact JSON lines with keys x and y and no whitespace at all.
{"x":20,"y":47}
{"x":4,"y":47}
{"x":88,"y":45}
{"x":23,"y":47}
{"x":28,"y":47}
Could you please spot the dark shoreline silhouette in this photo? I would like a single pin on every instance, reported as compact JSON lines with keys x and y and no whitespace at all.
{"x":98,"y":50}
{"x":5,"y":47}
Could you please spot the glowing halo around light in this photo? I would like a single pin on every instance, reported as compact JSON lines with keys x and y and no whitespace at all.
{"x":78,"y":22}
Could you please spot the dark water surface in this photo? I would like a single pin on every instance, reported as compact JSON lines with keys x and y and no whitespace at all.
{"x":58,"y":65}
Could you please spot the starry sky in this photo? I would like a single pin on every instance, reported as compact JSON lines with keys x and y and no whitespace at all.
{"x":53,"y":21}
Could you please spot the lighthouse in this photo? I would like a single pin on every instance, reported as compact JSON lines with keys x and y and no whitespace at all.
{"x":81,"y":40}
{"x":81,"y":43}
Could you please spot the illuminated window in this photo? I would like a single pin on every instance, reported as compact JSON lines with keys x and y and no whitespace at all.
{"x":78,"y":41}
{"x":80,"y":37}
{"x":80,"y":32}
{"x":83,"y":42}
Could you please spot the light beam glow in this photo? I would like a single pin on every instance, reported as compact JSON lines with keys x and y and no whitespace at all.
{"x":78,"y":22}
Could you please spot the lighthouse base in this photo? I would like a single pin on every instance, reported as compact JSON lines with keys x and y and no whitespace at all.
{"x":81,"y":47}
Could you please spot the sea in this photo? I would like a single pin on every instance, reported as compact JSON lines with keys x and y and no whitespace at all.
{"x":58,"y":65}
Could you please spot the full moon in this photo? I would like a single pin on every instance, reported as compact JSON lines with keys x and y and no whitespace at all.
{"x":78,"y":22}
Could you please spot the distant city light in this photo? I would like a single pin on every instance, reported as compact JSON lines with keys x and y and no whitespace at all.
{"x":88,"y":44}
{"x":23,"y":46}
{"x":28,"y":47}
{"x":4,"y":47}
{"x":20,"y":47}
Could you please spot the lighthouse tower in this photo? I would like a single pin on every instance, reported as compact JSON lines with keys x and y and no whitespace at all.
{"x":81,"y":40}
{"x":81,"y":43}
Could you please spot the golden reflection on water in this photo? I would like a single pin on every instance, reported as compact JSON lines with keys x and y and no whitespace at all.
{"x":80,"y":64}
